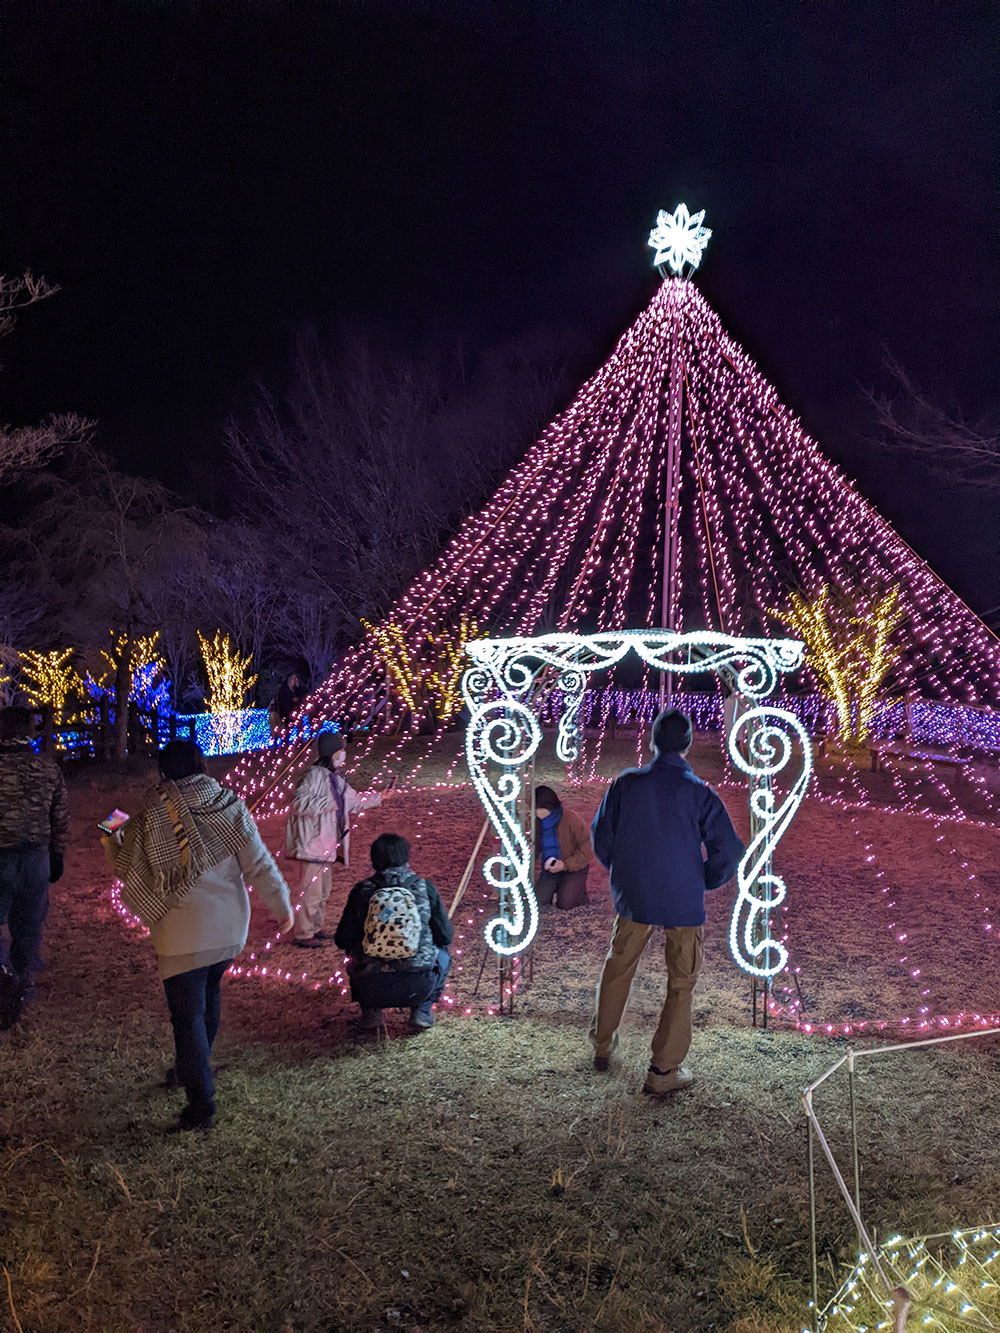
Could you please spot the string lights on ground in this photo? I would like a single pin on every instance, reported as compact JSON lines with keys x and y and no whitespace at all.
{"x":575,"y":536}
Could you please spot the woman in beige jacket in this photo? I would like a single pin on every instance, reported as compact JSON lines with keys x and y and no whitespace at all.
{"x":318,"y":829}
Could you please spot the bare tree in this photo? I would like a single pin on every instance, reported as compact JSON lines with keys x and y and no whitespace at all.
{"x":29,"y":446}
{"x":98,"y":542}
{"x":241,"y":593}
{"x":366,"y":463}
{"x":954,"y":450}
{"x":306,"y":630}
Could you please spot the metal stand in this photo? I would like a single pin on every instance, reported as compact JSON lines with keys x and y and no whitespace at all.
{"x":668,"y":602}
{"x":517,"y":970}
{"x":760,"y":986}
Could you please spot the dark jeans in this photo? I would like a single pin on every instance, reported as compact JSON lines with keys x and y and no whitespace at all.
{"x":24,"y":902}
{"x":194,"y":1002}
{"x":374,"y":987}
{"x":568,"y":887}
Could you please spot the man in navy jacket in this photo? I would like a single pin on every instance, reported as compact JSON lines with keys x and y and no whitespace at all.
{"x":649,"y":833}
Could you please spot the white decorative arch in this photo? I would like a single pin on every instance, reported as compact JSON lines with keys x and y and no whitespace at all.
{"x":501,"y":689}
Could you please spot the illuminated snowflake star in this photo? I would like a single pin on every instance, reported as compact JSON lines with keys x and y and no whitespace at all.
{"x":679,"y":238}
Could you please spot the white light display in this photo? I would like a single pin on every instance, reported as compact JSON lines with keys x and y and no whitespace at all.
{"x":503,"y":735}
{"x":769,"y":733}
{"x":679,"y":238}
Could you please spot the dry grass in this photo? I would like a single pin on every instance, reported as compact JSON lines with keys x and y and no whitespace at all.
{"x":480,"y":1176}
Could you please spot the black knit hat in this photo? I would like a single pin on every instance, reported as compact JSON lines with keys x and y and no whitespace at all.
{"x":329,"y":743}
{"x":546,"y":798}
{"x":671,"y":732}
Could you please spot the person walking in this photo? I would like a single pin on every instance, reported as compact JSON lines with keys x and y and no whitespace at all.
{"x":318,"y":831}
{"x":563,"y":845}
{"x":34,"y":828}
{"x":395,"y":928}
{"x":649,"y":833}
{"x":184,"y":861}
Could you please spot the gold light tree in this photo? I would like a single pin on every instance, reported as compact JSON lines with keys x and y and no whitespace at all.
{"x":230,"y":681}
{"x":404,"y":675}
{"x":850,"y":648}
{"x":421,"y":683}
{"x":49,"y":678}
{"x":446,"y":678}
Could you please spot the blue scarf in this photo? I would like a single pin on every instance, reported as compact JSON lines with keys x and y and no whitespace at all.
{"x":550,"y":836}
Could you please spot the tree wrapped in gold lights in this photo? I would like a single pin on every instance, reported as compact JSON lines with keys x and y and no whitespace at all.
{"x":430,"y":679}
{"x":230,"y":682}
{"x":49,"y":678}
{"x":445,"y":679}
{"x":230,"y":679}
{"x":849,"y":648}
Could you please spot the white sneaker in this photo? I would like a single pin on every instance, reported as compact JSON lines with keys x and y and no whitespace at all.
{"x":661,"y":1081}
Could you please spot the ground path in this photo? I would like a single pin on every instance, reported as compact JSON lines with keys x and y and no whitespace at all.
{"x":481,"y":1177}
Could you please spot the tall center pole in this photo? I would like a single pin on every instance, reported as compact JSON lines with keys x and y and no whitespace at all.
{"x":675,"y":412}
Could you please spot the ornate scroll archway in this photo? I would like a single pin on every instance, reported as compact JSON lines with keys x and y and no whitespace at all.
{"x":502,"y":689}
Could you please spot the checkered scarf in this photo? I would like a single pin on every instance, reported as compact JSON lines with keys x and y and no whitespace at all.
{"x":184,"y":830}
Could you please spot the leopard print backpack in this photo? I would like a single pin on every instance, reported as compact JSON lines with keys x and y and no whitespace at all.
{"x":392,"y":923}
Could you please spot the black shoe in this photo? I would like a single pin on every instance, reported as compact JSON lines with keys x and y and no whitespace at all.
{"x":323,"y":935}
{"x":11,"y":999}
{"x":311,"y":943}
{"x":191,"y":1119}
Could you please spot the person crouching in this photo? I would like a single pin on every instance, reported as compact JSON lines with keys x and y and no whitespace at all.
{"x":563,"y":843}
{"x":396,"y":931}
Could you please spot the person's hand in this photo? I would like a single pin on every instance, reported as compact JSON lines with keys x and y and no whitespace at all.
{"x":553,"y":865}
{"x":56,"y":866}
{"x":286,"y":924}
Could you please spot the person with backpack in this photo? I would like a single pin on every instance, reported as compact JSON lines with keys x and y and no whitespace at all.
{"x":396,"y":931}
{"x":319,"y":831}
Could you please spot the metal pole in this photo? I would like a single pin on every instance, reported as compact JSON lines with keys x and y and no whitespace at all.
{"x":811,"y":1157}
{"x":668,"y":603}
{"x":854,"y":1129}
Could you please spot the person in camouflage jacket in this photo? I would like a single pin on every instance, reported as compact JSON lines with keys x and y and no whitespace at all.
{"x":34,"y":826}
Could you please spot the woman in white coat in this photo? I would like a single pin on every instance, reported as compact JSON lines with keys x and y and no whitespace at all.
{"x":318,"y":831}
{"x":184,"y":861}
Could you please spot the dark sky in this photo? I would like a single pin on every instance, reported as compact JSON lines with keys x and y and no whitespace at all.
{"x":202,"y":177}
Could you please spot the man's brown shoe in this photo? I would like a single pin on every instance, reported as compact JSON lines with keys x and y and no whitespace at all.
{"x":659,"y":1082}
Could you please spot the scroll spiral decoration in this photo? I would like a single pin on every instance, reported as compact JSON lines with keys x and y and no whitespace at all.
{"x":503,"y":733}
{"x":572,"y":684}
{"x":769,"y":736}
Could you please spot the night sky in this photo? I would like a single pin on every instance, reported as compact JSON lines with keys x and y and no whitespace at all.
{"x":202,"y":178}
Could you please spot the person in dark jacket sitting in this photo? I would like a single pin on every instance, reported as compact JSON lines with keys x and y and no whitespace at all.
{"x":396,"y":931}
{"x":649,"y":833}
{"x":563,"y":845}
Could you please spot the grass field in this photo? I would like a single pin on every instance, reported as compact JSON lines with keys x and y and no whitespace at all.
{"x":481,"y":1176}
